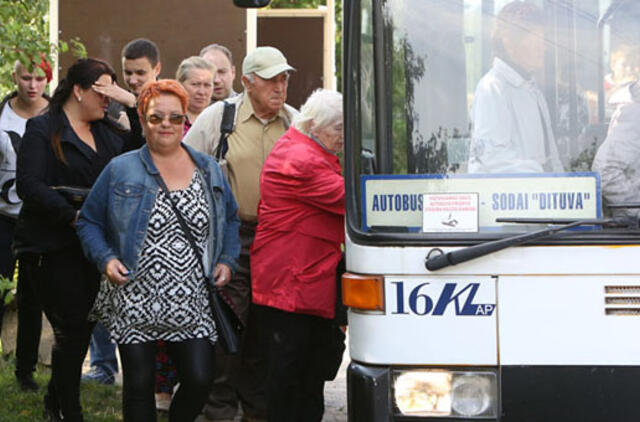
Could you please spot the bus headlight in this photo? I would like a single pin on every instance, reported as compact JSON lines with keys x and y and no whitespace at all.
{"x":441,"y":393}
{"x":472,"y":395}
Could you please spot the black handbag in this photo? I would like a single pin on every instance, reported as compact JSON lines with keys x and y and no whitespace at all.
{"x":228,"y":323}
{"x":75,"y":196}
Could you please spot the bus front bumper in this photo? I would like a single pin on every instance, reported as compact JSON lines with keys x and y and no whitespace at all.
{"x":382,"y":393}
{"x":524,"y":394}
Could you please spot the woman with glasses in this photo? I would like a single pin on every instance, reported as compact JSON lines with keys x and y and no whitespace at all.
{"x":160,"y":222}
{"x":61,"y":154}
{"x":196,"y":76}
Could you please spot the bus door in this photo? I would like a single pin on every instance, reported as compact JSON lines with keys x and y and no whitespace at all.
{"x":492,"y":209}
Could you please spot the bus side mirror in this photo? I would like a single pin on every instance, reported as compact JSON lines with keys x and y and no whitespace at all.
{"x":251,"y":3}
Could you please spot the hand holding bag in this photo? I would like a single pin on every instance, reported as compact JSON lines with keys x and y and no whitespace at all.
{"x":228,"y":324}
{"x":75,"y":196}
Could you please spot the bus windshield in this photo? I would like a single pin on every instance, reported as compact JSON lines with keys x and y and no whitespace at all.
{"x":468,"y":111}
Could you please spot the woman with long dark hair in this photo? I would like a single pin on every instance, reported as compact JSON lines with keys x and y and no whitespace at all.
{"x":62,"y":153}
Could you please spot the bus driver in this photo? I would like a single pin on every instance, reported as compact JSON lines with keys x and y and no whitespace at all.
{"x":511,"y":124}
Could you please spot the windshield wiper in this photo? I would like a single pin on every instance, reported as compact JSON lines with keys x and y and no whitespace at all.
{"x":466,"y":254}
{"x":624,"y":205}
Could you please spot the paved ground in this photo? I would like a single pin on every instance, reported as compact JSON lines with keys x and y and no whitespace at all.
{"x":335,"y":392}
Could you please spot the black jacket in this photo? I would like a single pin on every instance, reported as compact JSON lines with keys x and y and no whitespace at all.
{"x":136,"y":137}
{"x":45,"y":220}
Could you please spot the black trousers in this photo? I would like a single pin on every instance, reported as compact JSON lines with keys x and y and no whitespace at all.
{"x":67,"y":284}
{"x":240,"y":379}
{"x":194,"y":360}
{"x":296,"y":364}
{"x":29,"y":317}
{"x":7,"y":260}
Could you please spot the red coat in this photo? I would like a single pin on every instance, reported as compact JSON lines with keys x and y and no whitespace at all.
{"x":300,"y":228}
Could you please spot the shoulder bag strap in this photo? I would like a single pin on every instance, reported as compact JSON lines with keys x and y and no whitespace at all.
{"x":226,"y":127}
{"x":227,"y":322}
{"x":183,"y":223}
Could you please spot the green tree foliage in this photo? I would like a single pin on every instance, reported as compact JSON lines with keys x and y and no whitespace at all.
{"x":24,"y":36}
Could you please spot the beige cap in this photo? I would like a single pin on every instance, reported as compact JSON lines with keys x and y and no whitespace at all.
{"x":265,"y":62}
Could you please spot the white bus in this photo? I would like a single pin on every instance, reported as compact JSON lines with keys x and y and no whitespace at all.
{"x":492,"y":243}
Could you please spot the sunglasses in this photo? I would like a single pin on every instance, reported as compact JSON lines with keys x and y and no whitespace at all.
{"x":174,"y":119}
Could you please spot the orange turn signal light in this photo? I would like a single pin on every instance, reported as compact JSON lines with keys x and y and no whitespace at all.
{"x":363,"y":291}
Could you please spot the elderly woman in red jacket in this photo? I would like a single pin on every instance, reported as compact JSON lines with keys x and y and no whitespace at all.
{"x":295,"y":254}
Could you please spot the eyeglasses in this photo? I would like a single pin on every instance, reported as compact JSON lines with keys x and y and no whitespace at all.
{"x":174,"y":119}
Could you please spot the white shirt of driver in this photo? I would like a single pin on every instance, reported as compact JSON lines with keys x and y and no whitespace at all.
{"x":511,"y":125}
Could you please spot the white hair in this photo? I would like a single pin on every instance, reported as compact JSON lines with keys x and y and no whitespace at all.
{"x":250,"y":77}
{"x":323,"y":108}
{"x":193,"y":62}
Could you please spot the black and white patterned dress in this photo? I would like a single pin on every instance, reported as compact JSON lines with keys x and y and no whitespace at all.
{"x":167,"y":299}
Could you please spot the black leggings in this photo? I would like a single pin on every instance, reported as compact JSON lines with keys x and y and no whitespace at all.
{"x":67,"y":285}
{"x":194,"y":363}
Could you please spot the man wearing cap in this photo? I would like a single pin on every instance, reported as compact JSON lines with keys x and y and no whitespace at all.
{"x":27,"y":101}
{"x":261,"y":118}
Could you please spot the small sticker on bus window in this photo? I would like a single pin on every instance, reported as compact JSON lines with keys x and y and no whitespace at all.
{"x":450,"y":212}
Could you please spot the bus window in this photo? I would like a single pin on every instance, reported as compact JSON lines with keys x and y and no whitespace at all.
{"x":506,"y":102}
{"x":617,"y":158}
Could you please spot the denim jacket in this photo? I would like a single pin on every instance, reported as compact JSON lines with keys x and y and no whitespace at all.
{"x":114,"y":219}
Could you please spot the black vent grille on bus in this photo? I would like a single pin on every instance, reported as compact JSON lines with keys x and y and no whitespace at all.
{"x":622,"y":300}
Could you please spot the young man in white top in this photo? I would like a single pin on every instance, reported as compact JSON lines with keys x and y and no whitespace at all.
{"x":27,"y":101}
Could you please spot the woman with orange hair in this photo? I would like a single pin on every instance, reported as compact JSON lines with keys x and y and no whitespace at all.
{"x":161,"y":222}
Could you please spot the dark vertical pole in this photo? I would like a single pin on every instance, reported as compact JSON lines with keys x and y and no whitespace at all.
{"x":408,"y":115}
{"x":351,"y":87}
{"x":382,"y":89}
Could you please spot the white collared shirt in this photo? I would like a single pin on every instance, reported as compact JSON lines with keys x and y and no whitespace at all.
{"x":510,"y":117}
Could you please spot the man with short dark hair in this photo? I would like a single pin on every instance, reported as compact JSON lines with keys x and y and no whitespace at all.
{"x":221,"y":58}
{"x":140,"y":64}
{"x":261,"y":117}
{"x":27,"y":101}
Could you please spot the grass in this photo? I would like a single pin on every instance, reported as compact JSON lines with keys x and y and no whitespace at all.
{"x":100,"y":403}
